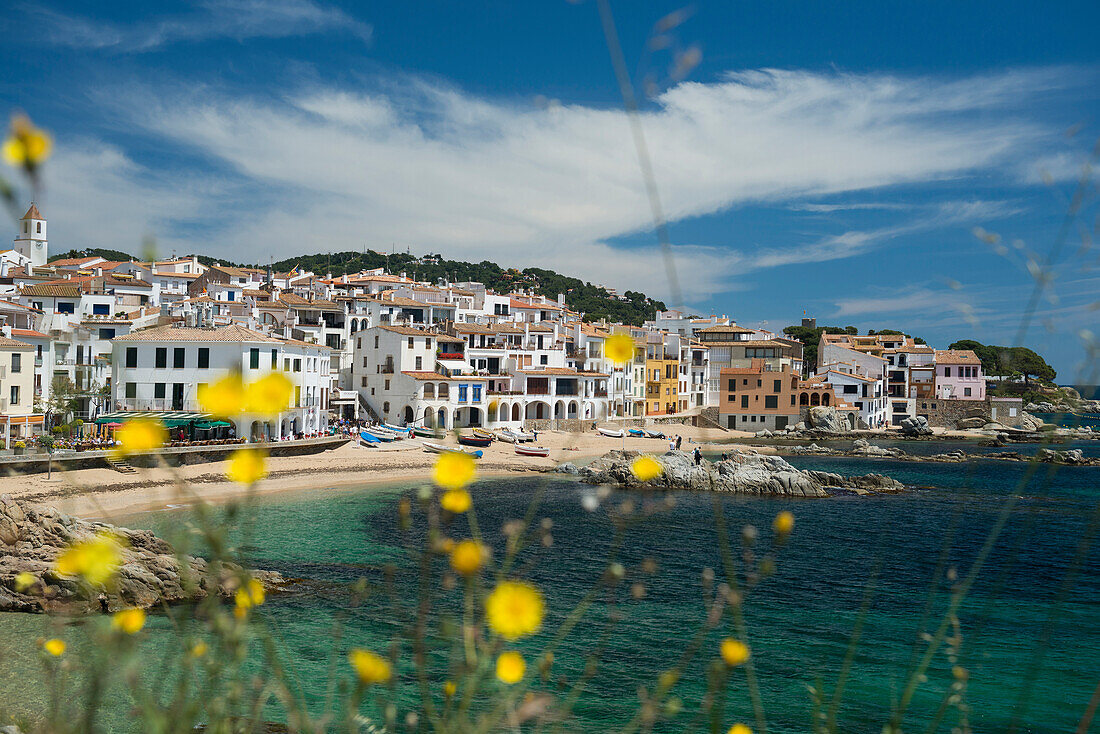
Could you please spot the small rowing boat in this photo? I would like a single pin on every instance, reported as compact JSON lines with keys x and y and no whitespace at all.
{"x":532,"y":451}
{"x":636,"y":432}
{"x":654,"y":434}
{"x":438,"y":448}
{"x":482,"y":433}
{"x":474,"y":441}
{"x":427,"y":432}
{"x":611,"y":433}
{"x":521,"y":435}
{"x":368,"y":438}
{"x":508,"y":436}
{"x":397,"y":429}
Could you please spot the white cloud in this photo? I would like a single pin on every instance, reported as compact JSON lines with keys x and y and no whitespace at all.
{"x":235,"y":19}
{"x":429,"y":167}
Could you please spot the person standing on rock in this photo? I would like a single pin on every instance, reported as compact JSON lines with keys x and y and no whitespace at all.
{"x":698,"y":456}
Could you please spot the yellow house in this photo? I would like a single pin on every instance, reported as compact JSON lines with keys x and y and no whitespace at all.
{"x":662,"y":385}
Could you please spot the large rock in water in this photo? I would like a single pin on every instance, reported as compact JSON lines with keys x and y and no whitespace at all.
{"x":32,"y":537}
{"x":917,"y":426}
{"x":743,"y":473}
{"x":826,"y":419}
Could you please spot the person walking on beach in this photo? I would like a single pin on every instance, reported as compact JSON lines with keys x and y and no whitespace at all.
{"x":698,"y":456}
{"x":679,"y":441}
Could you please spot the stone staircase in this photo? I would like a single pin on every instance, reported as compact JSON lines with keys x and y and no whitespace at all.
{"x":120,"y":466}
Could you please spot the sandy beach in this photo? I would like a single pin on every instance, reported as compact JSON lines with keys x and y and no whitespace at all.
{"x":103,"y":493}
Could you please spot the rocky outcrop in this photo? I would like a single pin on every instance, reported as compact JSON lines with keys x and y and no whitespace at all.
{"x":967,"y":424}
{"x":150,"y":573}
{"x":1069,"y":456}
{"x":826,"y":420}
{"x":743,"y":473}
{"x":863,"y":447}
{"x":916,"y":426}
{"x":1028,"y":422}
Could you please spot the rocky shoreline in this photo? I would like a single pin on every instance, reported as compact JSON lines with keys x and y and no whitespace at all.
{"x":862,"y":448}
{"x":151,"y":573}
{"x":743,"y":473}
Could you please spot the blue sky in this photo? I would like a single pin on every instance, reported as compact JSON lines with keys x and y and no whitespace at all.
{"x":829,"y":158}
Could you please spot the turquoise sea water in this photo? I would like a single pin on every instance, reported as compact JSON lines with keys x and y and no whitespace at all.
{"x":1030,"y":634}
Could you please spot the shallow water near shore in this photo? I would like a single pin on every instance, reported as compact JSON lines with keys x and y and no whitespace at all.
{"x":799,"y":620}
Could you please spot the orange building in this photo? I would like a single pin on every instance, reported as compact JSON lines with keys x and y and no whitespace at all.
{"x":755,"y":398}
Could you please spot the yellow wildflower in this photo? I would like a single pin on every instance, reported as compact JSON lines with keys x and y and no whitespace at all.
{"x":139,"y":434}
{"x":510,"y":667}
{"x":369,"y":667}
{"x":619,"y":348}
{"x":668,"y":679}
{"x":129,"y":621}
{"x":26,"y":145}
{"x":739,"y":729}
{"x":250,"y":595}
{"x":269,"y":395}
{"x":449,"y":688}
{"x":467,"y":557}
{"x":198,"y":650}
{"x":55,"y":647}
{"x":454,"y":470}
{"x":514,"y":609}
{"x":734,"y":652}
{"x":24,"y":580}
{"x":96,"y":559}
{"x":456,"y":501}
{"x":247,"y":466}
{"x":646,"y":468}
{"x":224,"y":398}
{"x":783,"y":523}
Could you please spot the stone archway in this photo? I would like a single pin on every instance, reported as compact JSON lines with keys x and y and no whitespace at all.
{"x":429,"y":418}
{"x":516,"y":412}
{"x":573,"y":409}
{"x":410,"y":418}
{"x":815,"y":399}
{"x":804,"y":399}
{"x":537,"y":410}
{"x":443,"y":418}
{"x":559,"y":410}
{"x":825,"y":399}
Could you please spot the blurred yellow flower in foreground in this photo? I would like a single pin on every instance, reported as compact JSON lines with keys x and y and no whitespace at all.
{"x":739,"y":729}
{"x":129,"y":621}
{"x":510,"y":667}
{"x":467,"y":557}
{"x":449,"y":688}
{"x":269,"y":395}
{"x":26,"y":146}
{"x":139,"y":434}
{"x":369,"y":667}
{"x":456,"y":501}
{"x":224,"y":398}
{"x":734,"y":652}
{"x":96,"y":559}
{"x":247,"y":466}
{"x":646,"y":468}
{"x":55,"y":647}
{"x":514,"y":609}
{"x":198,"y":650}
{"x":619,"y":348}
{"x":454,"y":470}
{"x":24,"y":580}
{"x":783,"y":523}
{"x":250,"y":595}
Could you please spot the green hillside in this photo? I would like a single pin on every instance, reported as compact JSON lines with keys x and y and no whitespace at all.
{"x":583,"y":296}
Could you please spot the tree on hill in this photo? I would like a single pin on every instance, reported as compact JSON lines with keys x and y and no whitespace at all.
{"x":112,"y":255}
{"x":997,"y":360}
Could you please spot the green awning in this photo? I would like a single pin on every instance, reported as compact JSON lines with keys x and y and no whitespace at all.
{"x":170,"y":418}
{"x":212,"y":424}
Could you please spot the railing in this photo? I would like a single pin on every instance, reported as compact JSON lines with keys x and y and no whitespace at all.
{"x":567,"y":392}
{"x":387,"y":369}
{"x":600,"y":393}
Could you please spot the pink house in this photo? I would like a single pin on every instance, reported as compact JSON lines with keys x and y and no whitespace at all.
{"x":959,"y":375}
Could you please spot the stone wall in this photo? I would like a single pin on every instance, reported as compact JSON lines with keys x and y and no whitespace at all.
{"x":946,"y":413}
{"x":569,"y":425}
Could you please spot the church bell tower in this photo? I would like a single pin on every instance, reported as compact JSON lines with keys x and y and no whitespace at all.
{"x":31,"y":240}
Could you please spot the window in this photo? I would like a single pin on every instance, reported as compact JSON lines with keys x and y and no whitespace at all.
{"x":410,"y":342}
{"x":386,"y":407}
{"x":792,"y":399}
{"x":16,"y":362}
{"x":297,"y":396}
{"x":364,"y":381}
{"x":851,"y":389}
{"x":771,"y":402}
{"x":297,"y":365}
{"x":14,"y":395}
{"x":204,"y":358}
{"x":131,"y":357}
{"x":376,"y":341}
{"x":106,"y":333}
{"x":65,"y":307}
{"x":131,"y":390}
{"x":543,"y":359}
{"x":274,"y":359}
{"x":359,"y":343}
{"x":38,"y":227}
{"x":966,"y":392}
{"x":101,"y":309}
{"x":462,"y":390}
{"x":158,"y":390}
{"x":733,"y":385}
{"x":744,"y":401}
{"x":477,"y":393}
{"x":946,"y":371}
{"x":162,"y":358}
{"x":254,"y":358}
{"x":419,"y":363}
{"x":177,"y":358}
{"x":777,"y":386}
{"x":386,"y":386}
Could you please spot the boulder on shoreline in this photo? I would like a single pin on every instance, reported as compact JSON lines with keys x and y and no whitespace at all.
{"x":826,"y":420}
{"x":32,"y":537}
{"x":916,"y":426}
{"x":742,"y":473}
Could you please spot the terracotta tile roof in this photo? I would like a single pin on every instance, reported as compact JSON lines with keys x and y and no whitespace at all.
{"x":64,"y":262}
{"x":51,"y":290}
{"x":6,"y":343}
{"x":756,"y":367}
{"x":296,"y":301}
{"x":853,"y":376}
{"x":721,"y":328}
{"x":956,"y":356}
{"x":230,"y":333}
{"x":535,"y":371}
{"x":33,"y":212}
{"x":436,"y":376}
{"x":29,"y":334}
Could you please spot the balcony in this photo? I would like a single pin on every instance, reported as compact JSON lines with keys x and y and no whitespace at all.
{"x":600,"y":392}
{"x":538,"y":391}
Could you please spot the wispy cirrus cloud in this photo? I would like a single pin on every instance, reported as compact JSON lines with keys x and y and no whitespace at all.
{"x":428,"y":166}
{"x":211,"y":19}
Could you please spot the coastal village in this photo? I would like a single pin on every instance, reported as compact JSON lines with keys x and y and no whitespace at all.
{"x":89,"y":343}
